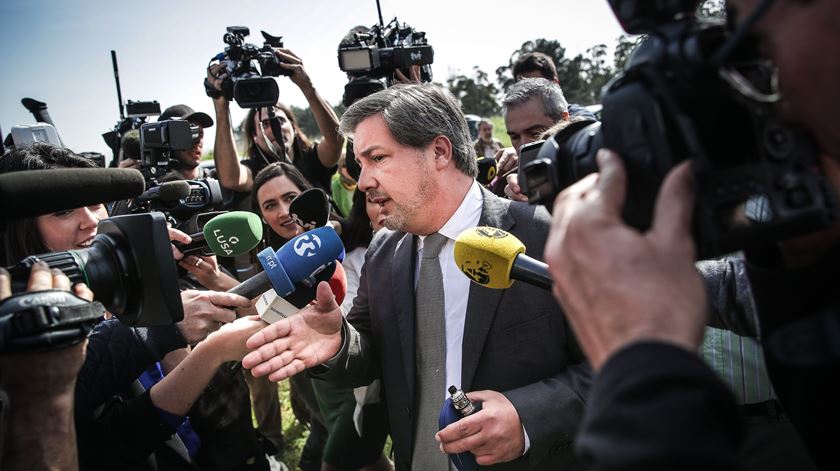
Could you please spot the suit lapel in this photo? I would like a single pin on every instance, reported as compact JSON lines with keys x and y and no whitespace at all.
{"x":483,"y":302}
{"x":402,"y":287}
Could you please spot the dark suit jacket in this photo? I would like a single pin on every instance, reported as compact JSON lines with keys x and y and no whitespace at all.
{"x":516,"y":341}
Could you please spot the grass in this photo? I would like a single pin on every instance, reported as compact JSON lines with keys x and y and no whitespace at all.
{"x":499,"y":130}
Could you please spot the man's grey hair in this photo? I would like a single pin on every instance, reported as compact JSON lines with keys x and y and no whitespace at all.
{"x":415,"y":115}
{"x":551,"y":95}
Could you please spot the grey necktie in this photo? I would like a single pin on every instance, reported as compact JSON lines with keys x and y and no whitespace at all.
{"x":430,"y":356}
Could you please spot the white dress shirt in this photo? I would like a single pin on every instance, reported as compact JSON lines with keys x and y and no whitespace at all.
{"x":456,"y":286}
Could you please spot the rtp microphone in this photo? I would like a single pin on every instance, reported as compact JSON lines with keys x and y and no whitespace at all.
{"x":168,"y":192}
{"x":310,"y":209}
{"x":494,"y":258}
{"x":226,"y":235}
{"x":298,"y":259}
{"x":35,"y":192}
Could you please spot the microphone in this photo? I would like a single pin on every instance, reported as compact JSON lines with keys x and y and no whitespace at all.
{"x":494,"y":258}
{"x":298,"y":259}
{"x":226,"y":235}
{"x":35,"y":192}
{"x":310,"y":209}
{"x":273,"y":308}
{"x":168,"y":192}
{"x":486,"y":170}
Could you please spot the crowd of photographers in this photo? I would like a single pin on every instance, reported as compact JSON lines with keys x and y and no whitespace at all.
{"x":686,"y":317}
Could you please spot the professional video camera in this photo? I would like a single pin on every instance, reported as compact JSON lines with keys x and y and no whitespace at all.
{"x":249,"y":86}
{"x":178,"y":200}
{"x":130,"y":269}
{"x":373,"y":57}
{"x":694,"y":91}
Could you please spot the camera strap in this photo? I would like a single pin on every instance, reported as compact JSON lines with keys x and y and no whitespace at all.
{"x":45,"y":320}
{"x":277,"y":131}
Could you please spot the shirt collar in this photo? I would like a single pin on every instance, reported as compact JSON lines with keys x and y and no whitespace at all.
{"x":465,"y":217}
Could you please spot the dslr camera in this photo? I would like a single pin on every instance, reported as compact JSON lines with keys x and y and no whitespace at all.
{"x":250,"y":86}
{"x":372,"y":57}
{"x":692,"y":90}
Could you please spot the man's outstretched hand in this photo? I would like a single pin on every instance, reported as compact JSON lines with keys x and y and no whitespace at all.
{"x":304,"y":340}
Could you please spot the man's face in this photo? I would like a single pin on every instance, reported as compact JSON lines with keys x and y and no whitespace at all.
{"x":803,"y":40}
{"x":526,"y":123}
{"x":399,"y":179}
{"x":263,"y":127}
{"x":190,"y":158}
{"x":485,"y":131}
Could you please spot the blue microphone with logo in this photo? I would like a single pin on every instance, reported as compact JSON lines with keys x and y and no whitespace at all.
{"x":298,"y":259}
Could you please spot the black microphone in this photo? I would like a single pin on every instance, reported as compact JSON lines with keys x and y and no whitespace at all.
{"x":310,"y":209}
{"x":168,"y":192}
{"x":487,"y":169}
{"x":35,"y":192}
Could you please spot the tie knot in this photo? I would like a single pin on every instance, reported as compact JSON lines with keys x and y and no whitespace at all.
{"x":433,"y":244}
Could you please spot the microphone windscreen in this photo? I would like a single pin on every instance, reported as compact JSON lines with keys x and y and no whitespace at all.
{"x":173,"y":191}
{"x":233,"y":233}
{"x":310,"y":209}
{"x":308,"y":252}
{"x":486,"y":255}
{"x":486,"y":170}
{"x":35,"y":192}
{"x":305,"y":290}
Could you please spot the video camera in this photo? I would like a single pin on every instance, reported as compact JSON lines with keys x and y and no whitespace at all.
{"x":694,"y":91}
{"x":130,"y":269}
{"x":177,"y":200}
{"x":249,"y":86}
{"x":373,"y":56}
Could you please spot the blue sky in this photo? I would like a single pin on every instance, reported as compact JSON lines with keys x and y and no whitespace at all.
{"x":58,"y":51}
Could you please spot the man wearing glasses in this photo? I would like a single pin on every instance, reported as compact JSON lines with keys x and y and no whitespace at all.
{"x":654,"y":404}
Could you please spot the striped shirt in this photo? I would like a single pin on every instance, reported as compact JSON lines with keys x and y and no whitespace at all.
{"x":739,"y":362}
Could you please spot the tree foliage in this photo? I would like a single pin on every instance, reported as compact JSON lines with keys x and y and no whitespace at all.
{"x":476,"y":93}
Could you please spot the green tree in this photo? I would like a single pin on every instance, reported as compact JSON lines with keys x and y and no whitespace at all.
{"x":476,"y":94}
{"x":625,"y":45}
{"x":580,"y":76}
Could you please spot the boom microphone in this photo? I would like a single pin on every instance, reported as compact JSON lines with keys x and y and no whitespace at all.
{"x":35,"y":192}
{"x":169,"y":192}
{"x":226,"y":235}
{"x":310,"y":209}
{"x":298,"y":259}
{"x":494,"y":258}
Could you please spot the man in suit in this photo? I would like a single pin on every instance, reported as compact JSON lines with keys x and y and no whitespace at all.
{"x":510,"y":347}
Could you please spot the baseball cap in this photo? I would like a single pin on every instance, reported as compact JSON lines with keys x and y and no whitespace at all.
{"x":186,"y":113}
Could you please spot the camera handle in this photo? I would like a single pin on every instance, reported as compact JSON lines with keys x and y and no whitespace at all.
{"x":278,"y":136}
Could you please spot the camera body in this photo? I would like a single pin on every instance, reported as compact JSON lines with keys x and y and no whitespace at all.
{"x":248,"y":85}
{"x":755,"y":177}
{"x":159,"y":139}
{"x":373,"y":57}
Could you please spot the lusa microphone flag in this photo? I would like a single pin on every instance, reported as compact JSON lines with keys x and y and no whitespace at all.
{"x":494,"y":258}
{"x":298,"y":259}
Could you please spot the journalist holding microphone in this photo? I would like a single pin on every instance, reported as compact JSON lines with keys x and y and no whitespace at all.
{"x":513,"y":351}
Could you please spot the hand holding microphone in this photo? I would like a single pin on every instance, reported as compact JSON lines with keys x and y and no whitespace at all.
{"x":494,"y":258}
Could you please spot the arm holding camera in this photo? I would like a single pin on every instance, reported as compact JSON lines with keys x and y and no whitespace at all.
{"x":37,"y":415}
{"x":329,"y":149}
{"x":232,"y":175}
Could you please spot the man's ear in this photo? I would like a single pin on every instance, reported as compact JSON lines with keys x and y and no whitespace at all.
{"x":442,"y":148}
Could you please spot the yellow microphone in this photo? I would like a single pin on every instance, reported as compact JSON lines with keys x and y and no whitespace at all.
{"x":494,"y":258}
